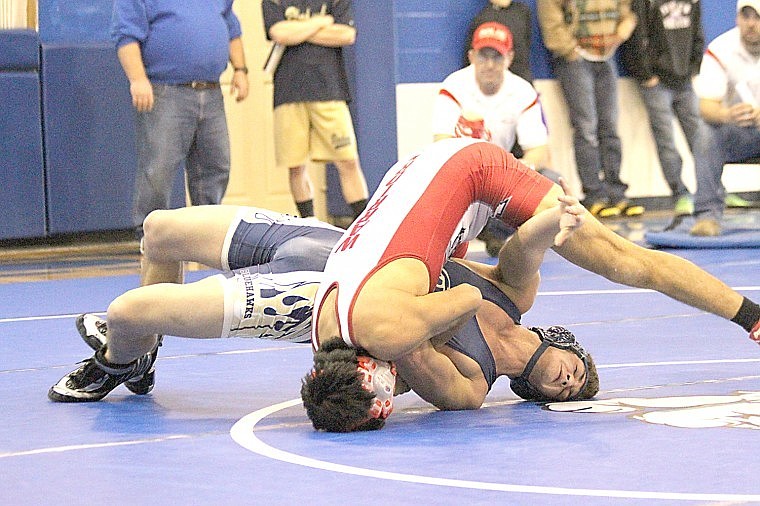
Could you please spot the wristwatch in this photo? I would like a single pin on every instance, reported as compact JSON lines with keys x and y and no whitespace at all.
{"x":244,"y":70}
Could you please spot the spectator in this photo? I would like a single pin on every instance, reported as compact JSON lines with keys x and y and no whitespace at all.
{"x":583,"y":38}
{"x":663,"y":55}
{"x":517,"y":17}
{"x":487,"y":101}
{"x":728,"y":87}
{"x":173,"y":53}
{"x":311,"y":116}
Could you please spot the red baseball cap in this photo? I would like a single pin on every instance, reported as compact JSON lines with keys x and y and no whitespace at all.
{"x":493,"y":35}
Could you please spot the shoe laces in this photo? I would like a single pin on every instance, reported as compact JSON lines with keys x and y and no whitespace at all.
{"x":102,"y":327}
{"x":86,"y":370}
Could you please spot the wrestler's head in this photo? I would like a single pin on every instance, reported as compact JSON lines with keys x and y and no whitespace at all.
{"x":559,"y":370}
{"x":348,"y":390}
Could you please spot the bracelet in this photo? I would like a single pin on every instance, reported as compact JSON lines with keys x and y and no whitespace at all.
{"x":244,"y":70}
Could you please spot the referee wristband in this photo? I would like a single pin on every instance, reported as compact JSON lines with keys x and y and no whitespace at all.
{"x":244,"y":70}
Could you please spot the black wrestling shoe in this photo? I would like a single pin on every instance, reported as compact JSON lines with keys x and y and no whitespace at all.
{"x":95,"y":378}
{"x":144,"y":383}
{"x":93,"y":331}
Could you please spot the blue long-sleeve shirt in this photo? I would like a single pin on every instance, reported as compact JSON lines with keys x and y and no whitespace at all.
{"x":180,"y":40}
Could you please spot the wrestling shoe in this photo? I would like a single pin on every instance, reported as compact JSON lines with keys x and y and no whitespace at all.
{"x":96,"y":377}
{"x":93,"y":331}
{"x":143,"y":384}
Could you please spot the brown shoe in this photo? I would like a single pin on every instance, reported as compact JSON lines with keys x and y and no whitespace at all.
{"x":706,"y":227}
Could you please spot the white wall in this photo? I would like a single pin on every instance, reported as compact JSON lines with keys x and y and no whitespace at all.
{"x":640,"y":168}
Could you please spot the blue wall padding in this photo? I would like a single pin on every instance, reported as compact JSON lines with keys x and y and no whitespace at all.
{"x":430,"y":37}
{"x":89,"y":139}
{"x":371,"y":64}
{"x":19,"y":50}
{"x":74,"y":21}
{"x":22,"y":192}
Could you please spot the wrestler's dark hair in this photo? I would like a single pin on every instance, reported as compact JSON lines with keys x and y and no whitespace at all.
{"x":332,"y":392}
{"x":592,"y":385}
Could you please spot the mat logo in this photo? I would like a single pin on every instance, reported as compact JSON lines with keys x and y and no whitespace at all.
{"x":740,"y":410}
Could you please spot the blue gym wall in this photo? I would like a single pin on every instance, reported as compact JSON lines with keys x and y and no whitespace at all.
{"x":427,"y":37}
{"x":67,"y":152}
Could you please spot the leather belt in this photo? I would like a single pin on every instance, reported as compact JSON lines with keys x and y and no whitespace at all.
{"x":200,"y":85}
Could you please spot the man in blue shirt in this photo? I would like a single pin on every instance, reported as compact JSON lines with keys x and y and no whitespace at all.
{"x":173,"y":52}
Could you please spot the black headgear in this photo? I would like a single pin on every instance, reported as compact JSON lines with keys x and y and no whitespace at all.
{"x":558,"y":337}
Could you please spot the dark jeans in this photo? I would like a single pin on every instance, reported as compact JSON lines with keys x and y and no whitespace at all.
{"x":664,"y":104}
{"x":725,"y":144}
{"x":590,"y":90}
{"x":185,"y":125}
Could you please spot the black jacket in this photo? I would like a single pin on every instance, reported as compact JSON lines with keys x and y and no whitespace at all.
{"x":668,"y":41}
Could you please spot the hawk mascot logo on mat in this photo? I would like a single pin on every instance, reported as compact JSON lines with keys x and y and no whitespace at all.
{"x":740,"y":410}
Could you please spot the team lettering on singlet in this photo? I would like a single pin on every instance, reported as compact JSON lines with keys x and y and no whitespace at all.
{"x":353,"y":236}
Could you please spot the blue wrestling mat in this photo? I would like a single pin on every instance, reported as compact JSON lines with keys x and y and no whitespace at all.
{"x":675,"y":423}
{"x":740,"y":230}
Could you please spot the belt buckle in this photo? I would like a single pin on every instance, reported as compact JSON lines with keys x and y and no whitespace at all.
{"x":197,"y":85}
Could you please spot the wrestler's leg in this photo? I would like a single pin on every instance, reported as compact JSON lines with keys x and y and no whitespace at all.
{"x":597,"y":249}
{"x":188,"y":234}
{"x":137,"y":316}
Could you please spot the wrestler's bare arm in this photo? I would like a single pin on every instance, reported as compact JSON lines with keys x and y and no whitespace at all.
{"x":395,"y":313}
{"x":435,"y":378}
{"x":522,"y":255}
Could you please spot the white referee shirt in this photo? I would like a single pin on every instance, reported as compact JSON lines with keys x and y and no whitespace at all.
{"x":729,"y":73}
{"x":512,"y":112}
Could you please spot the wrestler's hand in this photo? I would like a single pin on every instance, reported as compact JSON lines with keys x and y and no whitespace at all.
{"x":571,"y":217}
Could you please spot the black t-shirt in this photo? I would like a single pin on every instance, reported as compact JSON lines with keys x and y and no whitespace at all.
{"x":309,"y":72}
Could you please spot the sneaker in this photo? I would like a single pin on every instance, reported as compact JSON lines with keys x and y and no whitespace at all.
{"x":93,"y":330}
{"x":621,"y":208}
{"x":684,"y":205}
{"x":95,"y":378}
{"x":595,"y":207}
{"x":734,"y":200}
{"x":706,"y":227}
